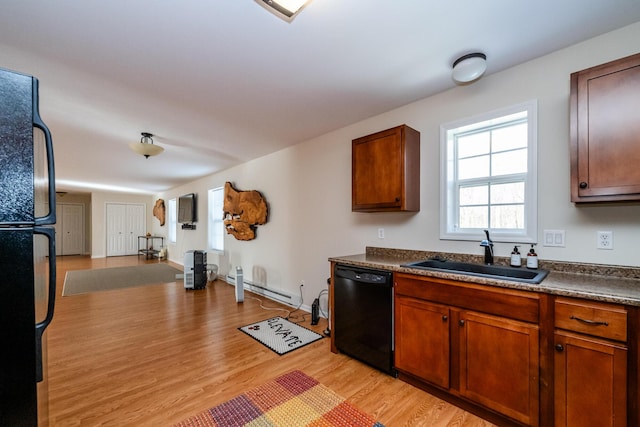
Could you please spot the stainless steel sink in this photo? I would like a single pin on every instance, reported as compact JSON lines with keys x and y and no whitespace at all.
{"x":481,"y":270}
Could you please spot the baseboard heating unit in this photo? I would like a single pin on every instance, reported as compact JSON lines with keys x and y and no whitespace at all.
{"x":280,"y":296}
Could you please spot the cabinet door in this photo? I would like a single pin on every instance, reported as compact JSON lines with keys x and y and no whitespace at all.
{"x":605,"y":124}
{"x":422,"y":340}
{"x":590,"y":382}
{"x":499,"y":365}
{"x":386,"y":171}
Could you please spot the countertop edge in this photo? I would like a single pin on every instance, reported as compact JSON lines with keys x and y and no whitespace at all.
{"x":596,"y":287}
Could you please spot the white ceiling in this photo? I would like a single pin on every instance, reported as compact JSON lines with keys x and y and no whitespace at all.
{"x":221,"y":82}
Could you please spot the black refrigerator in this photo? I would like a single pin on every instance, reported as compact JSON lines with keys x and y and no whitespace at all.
{"x":27,"y":252}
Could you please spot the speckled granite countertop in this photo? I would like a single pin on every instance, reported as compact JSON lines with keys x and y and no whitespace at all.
{"x":607,"y":283}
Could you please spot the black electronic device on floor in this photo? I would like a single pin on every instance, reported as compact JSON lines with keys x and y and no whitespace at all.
{"x":315,"y":312}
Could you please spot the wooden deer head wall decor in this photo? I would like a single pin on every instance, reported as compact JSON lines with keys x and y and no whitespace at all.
{"x":243,"y":212}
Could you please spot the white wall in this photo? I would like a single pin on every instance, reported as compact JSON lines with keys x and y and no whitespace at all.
{"x":308,"y":186}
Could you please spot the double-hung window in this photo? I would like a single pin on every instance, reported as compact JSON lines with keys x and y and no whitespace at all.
{"x":215,"y":220}
{"x":488,"y":176}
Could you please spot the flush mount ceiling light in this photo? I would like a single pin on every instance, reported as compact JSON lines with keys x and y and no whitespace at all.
{"x":285,"y":9}
{"x":146,"y":146}
{"x":469,"y":68}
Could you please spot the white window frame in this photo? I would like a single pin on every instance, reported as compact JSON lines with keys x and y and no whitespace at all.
{"x":215,"y":219}
{"x":448,"y":186}
{"x":171,"y":221}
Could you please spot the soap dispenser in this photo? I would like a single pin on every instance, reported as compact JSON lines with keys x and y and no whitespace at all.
{"x":532,"y":258}
{"x":516,"y":259}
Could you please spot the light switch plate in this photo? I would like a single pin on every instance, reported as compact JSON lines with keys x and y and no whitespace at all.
{"x":554,"y":238}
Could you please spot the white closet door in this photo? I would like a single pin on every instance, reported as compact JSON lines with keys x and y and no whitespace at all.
{"x":136,"y":225}
{"x":125,"y":222}
{"x":116,"y":217}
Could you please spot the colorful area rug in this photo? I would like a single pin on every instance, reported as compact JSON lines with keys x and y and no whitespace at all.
{"x":292,"y":400}
{"x":280,"y":335}
{"x":105,"y":279}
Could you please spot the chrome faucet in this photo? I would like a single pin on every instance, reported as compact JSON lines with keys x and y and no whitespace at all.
{"x":488,"y":249}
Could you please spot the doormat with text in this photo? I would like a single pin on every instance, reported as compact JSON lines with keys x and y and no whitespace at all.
{"x":280,"y":335}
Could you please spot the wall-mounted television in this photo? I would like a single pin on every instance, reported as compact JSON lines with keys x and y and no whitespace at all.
{"x":187,"y":209}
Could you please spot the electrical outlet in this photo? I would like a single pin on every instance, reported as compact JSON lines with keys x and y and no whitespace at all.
{"x":380,"y":233}
{"x":605,"y":240}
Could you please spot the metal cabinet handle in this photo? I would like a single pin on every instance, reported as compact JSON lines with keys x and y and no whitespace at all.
{"x":461,"y":322}
{"x":583,"y":185}
{"x":590,"y":322}
{"x":445,"y":318}
{"x":559,"y":348}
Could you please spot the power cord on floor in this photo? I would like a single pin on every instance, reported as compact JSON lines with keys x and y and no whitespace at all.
{"x":262,"y":306}
{"x":327,"y":331}
{"x":289,"y":313}
{"x":292,"y":318}
{"x":322,"y":292}
{"x":299,"y":318}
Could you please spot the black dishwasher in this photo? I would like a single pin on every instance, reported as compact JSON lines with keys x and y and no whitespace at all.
{"x":363,"y":315}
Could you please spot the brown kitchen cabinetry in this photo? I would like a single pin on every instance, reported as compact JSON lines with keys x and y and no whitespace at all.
{"x":422,"y":345}
{"x":605,"y":132}
{"x":474,"y":342}
{"x":386,"y":171}
{"x":590,"y":385}
{"x":499,"y":362}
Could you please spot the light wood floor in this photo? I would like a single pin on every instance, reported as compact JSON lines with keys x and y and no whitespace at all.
{"x":157,"y":354}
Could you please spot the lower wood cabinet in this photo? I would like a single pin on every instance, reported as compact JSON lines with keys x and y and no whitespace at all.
{"x":482,"y":357}
{"x":422,"y":344}
{"x":499,"y":365}
{"x":516,"y":357}
{"x":590,"y":368}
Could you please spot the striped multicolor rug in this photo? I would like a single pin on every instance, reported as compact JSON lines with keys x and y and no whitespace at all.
{"x":292,"y":400}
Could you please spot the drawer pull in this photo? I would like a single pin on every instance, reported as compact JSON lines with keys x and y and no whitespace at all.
{"x":590,"y":322}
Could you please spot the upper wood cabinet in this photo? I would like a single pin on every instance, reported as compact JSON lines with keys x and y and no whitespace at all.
{"x":605,"y":132}
{"x":386,"y":171}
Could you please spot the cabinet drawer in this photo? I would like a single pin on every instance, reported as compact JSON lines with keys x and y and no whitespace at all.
{"x":503,"y":302}
{"x":597,"y":319}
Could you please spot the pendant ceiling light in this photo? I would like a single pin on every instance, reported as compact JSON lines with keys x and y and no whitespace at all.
{"x":146,"y":146}
{"x":285,"y":9}
{"x":469,"y":68}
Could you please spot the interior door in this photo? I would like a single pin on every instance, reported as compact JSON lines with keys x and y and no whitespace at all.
{"x":116,"y":216}
{"x":135,"y":226}
{"x":70,"y":229}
